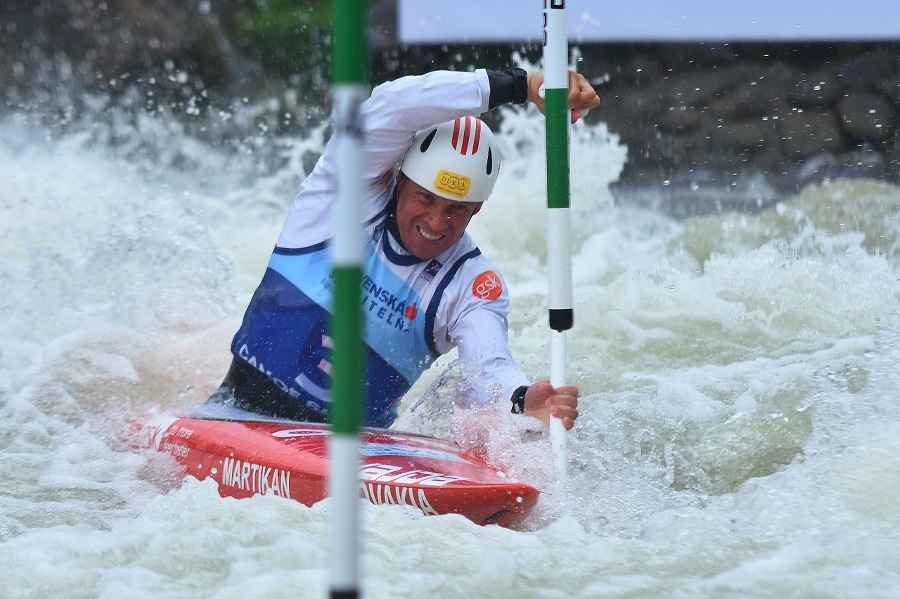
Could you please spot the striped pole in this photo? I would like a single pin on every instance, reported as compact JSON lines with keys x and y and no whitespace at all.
{"x":559,"y":248}
{"x":349,"y":70}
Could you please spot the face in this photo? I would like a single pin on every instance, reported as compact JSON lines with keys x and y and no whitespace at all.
{"x":428,"y":223}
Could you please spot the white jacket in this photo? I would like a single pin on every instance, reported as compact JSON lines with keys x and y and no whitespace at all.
{"x":416,"y":310}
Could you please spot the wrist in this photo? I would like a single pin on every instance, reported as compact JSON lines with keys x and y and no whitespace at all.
{"x":519,"y":85}
{"x":518,"y":400}
{"x":508,"y":87}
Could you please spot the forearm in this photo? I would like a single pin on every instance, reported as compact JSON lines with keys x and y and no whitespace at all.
{"x":411,"y":103}
{"x":487,"y":365}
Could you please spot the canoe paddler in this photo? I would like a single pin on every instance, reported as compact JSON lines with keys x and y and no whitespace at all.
{"x":426,"y":286}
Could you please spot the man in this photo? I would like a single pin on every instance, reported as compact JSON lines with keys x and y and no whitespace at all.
{"x":426,"y":286}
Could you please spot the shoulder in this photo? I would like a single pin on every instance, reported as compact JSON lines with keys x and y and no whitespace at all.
{"x":484,"y":282}
{"x":477,"y":282}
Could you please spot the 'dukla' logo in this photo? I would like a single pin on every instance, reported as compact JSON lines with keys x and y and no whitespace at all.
{"x":487,"y":286}
{"x":453,"y":183}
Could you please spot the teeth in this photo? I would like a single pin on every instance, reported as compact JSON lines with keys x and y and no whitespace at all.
{"x":428,"y":236}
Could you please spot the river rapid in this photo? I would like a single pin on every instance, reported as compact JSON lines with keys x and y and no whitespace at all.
{"x":740,"y":428}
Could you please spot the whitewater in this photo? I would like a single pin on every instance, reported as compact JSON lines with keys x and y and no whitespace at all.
{"x":740,"y":428}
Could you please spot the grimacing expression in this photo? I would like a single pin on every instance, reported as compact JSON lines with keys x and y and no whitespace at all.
{"x":428,"y":223}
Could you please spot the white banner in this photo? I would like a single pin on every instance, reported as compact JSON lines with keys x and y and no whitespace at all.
{"x":442,"y":21}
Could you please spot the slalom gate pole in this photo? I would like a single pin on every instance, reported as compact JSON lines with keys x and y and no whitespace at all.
{"x":348,"y":72}
{"x":559,"y":247}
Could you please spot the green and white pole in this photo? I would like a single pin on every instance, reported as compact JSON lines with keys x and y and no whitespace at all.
{"x":559,"y":247}
{"x":349,"y":71}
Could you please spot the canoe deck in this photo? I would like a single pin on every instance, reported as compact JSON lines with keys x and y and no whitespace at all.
{"x":290,"y":459}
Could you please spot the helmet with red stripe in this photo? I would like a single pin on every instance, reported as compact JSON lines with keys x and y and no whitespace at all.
{"x":457,"y":160}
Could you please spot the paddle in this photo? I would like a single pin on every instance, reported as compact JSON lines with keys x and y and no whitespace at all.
{"x":559,"y":250}
{"x":348,"y":72}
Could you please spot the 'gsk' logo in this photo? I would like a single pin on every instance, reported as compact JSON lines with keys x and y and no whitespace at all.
{"x":487,"y":286}
{"x":453,"y":183}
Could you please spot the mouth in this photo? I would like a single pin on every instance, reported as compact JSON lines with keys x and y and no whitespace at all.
{"x":428,"y":236}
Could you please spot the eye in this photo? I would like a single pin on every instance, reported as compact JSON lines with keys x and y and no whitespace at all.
{"x":425,"y":199}
{"x":458,"y":210}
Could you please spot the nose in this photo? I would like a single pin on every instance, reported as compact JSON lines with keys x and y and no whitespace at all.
{"x":437,"y":217}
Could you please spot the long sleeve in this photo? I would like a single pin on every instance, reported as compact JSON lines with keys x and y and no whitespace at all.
{"x":473,"y":317}
{"x":391,"y":117}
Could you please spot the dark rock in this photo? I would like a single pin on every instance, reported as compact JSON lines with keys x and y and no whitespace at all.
{"x":117,"y":37}
{"x":700,"y":56}
{"x":892,"y":157}
{"x":694,"y":89}
{"x":752,"y":99}
{"x":867,"y":116}
{"x":863,"y":71}
{"x":757,"y":90}
{"x":160,"y":55}
{"x":680,"y":119}
{"x":640,"y":70}
{"x":639,"y":103}
{"x":890,"y":88}
{"x":806,"y":133}
{"x":747,"y":134}
{"x":820,"y":88}
{"x":865,"y":164}
{"x":382,"y":25}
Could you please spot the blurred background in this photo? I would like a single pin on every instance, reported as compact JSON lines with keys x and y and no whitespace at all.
{"x":756,"y":101}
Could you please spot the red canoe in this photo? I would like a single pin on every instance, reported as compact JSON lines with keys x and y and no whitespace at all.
{"x":290,"y":459}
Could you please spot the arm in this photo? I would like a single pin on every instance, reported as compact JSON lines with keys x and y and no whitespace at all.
{"x":488,"y":369}
{"x":396,"y":110}
{"x":480,"y":334}
{"x":391,"y":117}
{"x":393,"y":114}
{"x":492,"y":374}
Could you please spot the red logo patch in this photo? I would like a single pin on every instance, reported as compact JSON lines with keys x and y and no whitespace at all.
{"x":487,"y":286}
{"x":411,"y":312}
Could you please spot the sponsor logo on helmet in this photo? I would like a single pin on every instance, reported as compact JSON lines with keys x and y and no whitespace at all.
{"x":452,"y":183}
{"x":487,"y":286}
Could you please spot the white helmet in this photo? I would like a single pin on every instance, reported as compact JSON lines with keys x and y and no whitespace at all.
{"x":457,"y":160}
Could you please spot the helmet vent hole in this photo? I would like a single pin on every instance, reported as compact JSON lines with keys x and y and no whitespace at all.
{"x":427,"y":141}
{"x":490,"y":162}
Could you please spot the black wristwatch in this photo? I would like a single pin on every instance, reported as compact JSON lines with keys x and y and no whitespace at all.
{"x":519,"y":86}
{"x":518,"y":399}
